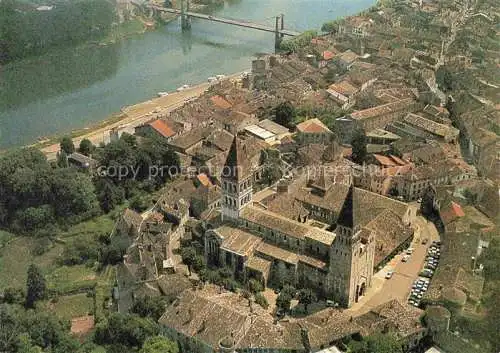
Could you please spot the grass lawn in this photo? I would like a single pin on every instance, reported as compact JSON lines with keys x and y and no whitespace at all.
{"x":70,"y":306}
{"x":15,"y":258}
{"x":101,"y":224}
{"x":105,"y":283}
{"x":67,"y":278}
{"x":5,"y":237}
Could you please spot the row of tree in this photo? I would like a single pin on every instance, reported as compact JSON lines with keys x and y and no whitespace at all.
{"x":27,"y":328}
{"x":34,"y":194}
{"x":24,"y":31}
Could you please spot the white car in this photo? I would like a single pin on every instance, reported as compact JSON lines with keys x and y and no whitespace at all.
{"x":389,"y":274}
{"x":405,"y":258}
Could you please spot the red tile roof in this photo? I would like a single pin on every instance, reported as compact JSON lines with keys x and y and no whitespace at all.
{"x":161,"y":127}
{"x":204,"y":180}
{"x":398,"y":160}
{"x":312,"y":126}
{"x":220,"y":102}
{"x":452,"y":212}
{"x":384,"y":160}
{"x":328,"y":55}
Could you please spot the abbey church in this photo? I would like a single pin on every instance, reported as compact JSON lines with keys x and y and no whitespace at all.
{"x":325,"y":236}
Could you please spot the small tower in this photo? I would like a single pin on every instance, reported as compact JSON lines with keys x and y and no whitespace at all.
{"x":236,"y":181}
{"x":352,"y":255}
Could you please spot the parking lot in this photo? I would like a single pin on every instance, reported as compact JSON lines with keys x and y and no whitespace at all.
{"x":421,"y":284}
{"x":404,"y":273}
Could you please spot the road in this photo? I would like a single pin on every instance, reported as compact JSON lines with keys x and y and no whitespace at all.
{"x":405,"y":273}
{"x":134,"y":116}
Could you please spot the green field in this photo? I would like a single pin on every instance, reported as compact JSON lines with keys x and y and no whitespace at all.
{"x":69,"y":278}
{"x":102,"y":224}
{"x":69,"y":306}
{"x":67,"y":284}
{"x":16,"y":257}
{"x":5,"y":237}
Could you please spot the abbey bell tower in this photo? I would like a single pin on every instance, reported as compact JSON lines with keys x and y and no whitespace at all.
{"x":236,"y":181}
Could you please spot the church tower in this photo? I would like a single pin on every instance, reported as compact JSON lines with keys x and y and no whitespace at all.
{"x":236,"y":181}
{"x":352,"y":254}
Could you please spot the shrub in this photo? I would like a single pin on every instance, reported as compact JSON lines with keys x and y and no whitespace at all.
{"x":261,"y":300}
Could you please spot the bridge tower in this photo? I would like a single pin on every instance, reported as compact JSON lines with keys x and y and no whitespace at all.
{"x":185,"y":19}
{"x":278,"y":35}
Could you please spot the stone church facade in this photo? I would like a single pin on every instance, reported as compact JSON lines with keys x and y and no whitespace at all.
{"x":337,"y":261}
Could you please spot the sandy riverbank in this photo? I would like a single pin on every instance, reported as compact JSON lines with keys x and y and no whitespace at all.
{"x":131,"y":116}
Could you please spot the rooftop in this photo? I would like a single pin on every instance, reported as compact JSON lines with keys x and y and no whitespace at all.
{"x":381,"y":133}
{"x":274,"y":221}
{"x":382,"y":109}
{"x":344,"y":87}
{"x":277,"y":253}
{"x":258,"y":264}
{"x":429,"y":125}
{"x":275,"y":128}
{"x":312,"y":126}
{"x":220,"y":102}
{"x":259,"y":132}
{"x":237,"y":240}
{"x":162,"y":128}
{"x":348,"y":56}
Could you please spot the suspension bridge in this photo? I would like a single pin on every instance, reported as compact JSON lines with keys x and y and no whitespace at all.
{"x":279,"y":28}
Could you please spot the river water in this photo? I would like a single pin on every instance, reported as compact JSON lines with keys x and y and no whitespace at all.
{"x":72,"y":88}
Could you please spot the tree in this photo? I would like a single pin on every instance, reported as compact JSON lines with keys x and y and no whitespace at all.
{"x":159,"y":344}
{"x":113,"y":253}
{"x":261,"y":300}
{"x":379,"y":343}
{"x":247,"y":295}
{"x":125,"y":329}
{"x":255,"y":286}
{"x":73,"y":194}
{"x":14,"y":295}
{"x":284,"y":114}
{"x":152,"y":307}
{"x":86,"y":147}
{"x":35,"y":286}
{"x":25,"y":345}
{"x":306,"y":297}
{"x":358,"y":144}
{"x":283,"y":301}
{"x":67,"y":145}
{"x":109,"y":194}
{"x":188,"y":255}
{"x":426,"y":206}
{"x":62,"y":159}
{"x":444,"y":79}
{"x":366,"y":100}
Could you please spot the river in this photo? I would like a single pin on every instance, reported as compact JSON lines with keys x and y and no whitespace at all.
{"x":73,"y":88}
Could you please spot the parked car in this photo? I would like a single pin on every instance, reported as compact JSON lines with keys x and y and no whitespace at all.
{"x":409,"y":251}
{"x":331,"y":303}
{"x":389,"y":274}
{"x":405,"y":258}
{"x":425,"y":241}
{"x":427,"y":273}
